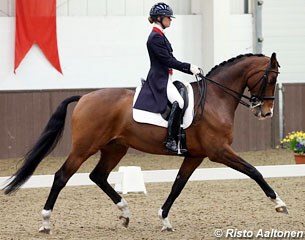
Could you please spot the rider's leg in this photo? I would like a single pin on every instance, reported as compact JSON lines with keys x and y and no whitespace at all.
{"x":173,"y":94}
{"x":174,"y":120}
{"x":173,"y":127}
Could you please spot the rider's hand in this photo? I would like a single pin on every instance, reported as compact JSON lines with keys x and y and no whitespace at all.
{"x":195,"y":69}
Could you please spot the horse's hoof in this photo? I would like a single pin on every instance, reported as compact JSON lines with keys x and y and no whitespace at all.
{"x":45,"y":230}
{"x":167,"y":229}
{"x":282,"y":209}
{"x":125,"y":221}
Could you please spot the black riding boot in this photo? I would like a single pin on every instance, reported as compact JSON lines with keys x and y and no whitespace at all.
{"x":174,"y":122}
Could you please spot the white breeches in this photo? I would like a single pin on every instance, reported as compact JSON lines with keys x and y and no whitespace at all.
{"x":173,"y":94}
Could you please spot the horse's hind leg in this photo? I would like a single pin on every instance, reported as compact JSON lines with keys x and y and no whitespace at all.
{"x":229,"y":158}
{"x":110,"y":157}
{"x":71,"y":165}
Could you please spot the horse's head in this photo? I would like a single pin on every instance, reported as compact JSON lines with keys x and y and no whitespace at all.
{"x":262,"y":88}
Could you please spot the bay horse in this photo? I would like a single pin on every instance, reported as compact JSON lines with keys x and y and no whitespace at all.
{"x":102,"y":121}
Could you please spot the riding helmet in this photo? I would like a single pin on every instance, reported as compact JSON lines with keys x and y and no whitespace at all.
{"x":161,"y":9}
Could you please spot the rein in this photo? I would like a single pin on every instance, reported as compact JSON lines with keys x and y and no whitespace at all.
{"x":202,"y":91}
{"x":255,"y":100}
{"x":229,"y":91}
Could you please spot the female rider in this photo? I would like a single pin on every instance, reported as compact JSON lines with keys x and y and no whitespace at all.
{"x":158,"y":88}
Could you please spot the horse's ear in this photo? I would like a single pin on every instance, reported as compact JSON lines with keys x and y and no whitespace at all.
{"x":273,"y":56}
{"x":274,"y":62}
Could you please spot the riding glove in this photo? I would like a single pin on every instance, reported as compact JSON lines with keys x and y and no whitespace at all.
{"x":194,"y":69}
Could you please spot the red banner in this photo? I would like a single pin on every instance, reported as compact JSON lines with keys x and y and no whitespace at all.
{"x":36,"y":23}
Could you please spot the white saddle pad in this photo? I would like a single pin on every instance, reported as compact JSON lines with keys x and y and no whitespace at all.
{"x":142,"y":116}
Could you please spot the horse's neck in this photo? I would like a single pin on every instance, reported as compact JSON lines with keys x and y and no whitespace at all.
{"x":233,"y":80}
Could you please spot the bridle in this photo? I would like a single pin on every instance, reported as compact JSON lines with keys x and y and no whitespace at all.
{"x":255,"y":100}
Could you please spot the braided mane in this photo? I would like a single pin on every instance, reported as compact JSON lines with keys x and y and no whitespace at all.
{"x":232,"y":60}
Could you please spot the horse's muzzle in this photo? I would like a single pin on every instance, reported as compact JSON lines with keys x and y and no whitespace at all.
{"x":268,"y":115}
{"x":261,"y":114}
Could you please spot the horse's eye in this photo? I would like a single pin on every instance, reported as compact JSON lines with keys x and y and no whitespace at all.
{"x":272,"y":81}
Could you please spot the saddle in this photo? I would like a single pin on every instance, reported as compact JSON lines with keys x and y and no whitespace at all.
{"x":186,"y":91}
{"x":157,"y":119}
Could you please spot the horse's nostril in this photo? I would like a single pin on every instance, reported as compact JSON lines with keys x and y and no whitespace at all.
{"x":268,"y":114}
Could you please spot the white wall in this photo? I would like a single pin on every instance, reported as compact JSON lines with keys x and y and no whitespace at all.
{"x":110,"y":50}
{"x":241,"y":34}
{"x":95,"y":52}
{"x":284,"y":33}
{"x":237,"y":7}
{"x":119,"y":7}
{"x":225,"y":35}
{"x":103,"y":7}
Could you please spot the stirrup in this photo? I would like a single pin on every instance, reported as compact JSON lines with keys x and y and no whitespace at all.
{"x":171,"y":145}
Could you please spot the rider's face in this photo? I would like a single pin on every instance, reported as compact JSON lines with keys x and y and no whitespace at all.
{"x":166,"y":21}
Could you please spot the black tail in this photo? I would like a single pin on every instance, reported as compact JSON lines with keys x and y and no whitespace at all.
{"x":45,"y":144}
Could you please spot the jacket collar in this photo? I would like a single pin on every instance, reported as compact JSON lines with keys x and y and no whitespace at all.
{"x":158,"y":29}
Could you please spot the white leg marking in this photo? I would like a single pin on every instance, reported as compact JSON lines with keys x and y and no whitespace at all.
{"x":166,"y":226}
{"x":123,"y":206}
{"x":280,"y":206}
{"x":46,"y":226}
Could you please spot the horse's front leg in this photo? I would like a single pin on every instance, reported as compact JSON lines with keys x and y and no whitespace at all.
{"x":230,"y":159}
{"x":187,"y":168}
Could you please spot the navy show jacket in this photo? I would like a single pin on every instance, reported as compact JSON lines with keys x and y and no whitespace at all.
{"x":153,"y":95}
